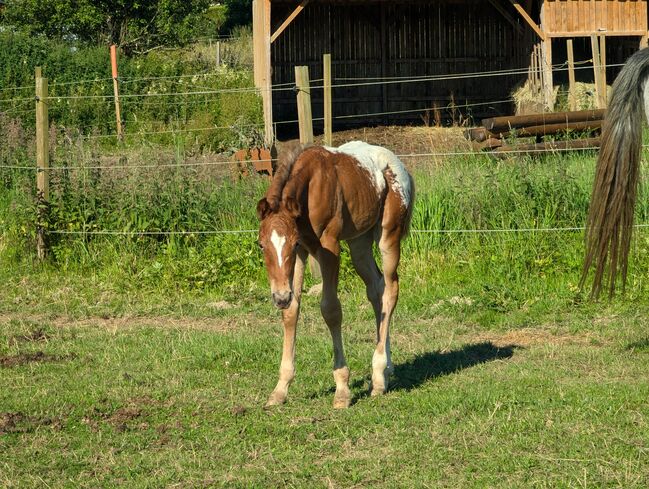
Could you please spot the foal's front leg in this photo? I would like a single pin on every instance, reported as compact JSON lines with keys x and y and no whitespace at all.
{"x":289,"y":319}
{"x":329,"y":259}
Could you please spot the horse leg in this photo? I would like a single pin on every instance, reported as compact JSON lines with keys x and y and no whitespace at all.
{"x":289,"y":320}
{"x":360,"y":249}
{"x":381,"y":361}
{"x":329,"y":259}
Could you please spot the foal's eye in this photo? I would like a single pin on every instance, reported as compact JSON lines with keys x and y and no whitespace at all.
{"x":260,"y":245}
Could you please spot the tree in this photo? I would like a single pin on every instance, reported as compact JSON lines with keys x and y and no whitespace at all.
{"x":134,"y":25}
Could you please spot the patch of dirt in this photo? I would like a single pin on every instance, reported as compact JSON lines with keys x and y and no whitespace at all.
{"x":127,"y":417}
{"x":404,"y":140}
{"x":219,"y":324}
{"x":535,"y":337}
{"x":36,"y":335}
{"x":25,"y":358}
{"x":21,"y":423}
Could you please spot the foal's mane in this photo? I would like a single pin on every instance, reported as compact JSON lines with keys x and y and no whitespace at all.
{"x":286,"y":160}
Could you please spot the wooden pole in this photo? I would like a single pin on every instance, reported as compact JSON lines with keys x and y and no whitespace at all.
{"x":118,"y":112}
{"x":218,"y":53}
{"x":304,"y":116}
{"x":548,"y":82}
{"x":602,"y":69}
{"x":572,"y":95}
{"x":261,"y":11}
{"x":328,"y":116}
{"x":42,"y":164}
{"x":596,"y":70}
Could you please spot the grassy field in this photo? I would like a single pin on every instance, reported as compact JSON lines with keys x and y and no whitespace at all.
{"x":146,"y":361}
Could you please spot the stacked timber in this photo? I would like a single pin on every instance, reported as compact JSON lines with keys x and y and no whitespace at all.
{"x":495,"y":132}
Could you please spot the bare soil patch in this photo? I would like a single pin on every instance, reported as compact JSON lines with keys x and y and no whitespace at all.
{"x":537,"y":337}
{"x":37,"y":356}
{"x":21,"y":423}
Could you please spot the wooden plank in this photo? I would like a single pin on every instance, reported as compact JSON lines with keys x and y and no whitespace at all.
{"x":288,"y":20}
{"x":519,"y":8}
{"x":496,"y":4}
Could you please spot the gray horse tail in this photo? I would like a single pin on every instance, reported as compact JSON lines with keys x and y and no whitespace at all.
{"x":610,"y":216}
{"x":286,"y":159}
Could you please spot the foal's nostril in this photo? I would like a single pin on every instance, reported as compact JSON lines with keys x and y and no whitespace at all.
{"x":282,"y":299}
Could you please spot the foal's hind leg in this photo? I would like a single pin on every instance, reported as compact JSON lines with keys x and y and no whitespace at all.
{"x":360,"y":249}
{"x":329,"y":258}
{"x":390,"y":246}
{"x":289,"y":320}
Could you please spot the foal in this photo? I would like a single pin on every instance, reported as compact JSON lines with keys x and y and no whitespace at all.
{"x":320,"y":195}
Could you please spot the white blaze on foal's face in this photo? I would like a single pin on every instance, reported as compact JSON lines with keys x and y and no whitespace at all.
{"x":278,"y":242}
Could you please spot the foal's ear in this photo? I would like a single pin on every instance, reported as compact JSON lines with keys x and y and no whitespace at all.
{"x":292,"y":206}
{"x":263,"y":208}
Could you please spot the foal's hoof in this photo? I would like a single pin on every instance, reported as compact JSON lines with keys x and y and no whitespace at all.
{"x":378,"y":391}
{"x":275,"y":400}
{"x":342,"y":402}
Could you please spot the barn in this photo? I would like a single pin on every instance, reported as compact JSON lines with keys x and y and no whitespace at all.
{"x":399,"y":62}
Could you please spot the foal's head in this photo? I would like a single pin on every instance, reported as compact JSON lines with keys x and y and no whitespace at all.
{"x":278,"y":238}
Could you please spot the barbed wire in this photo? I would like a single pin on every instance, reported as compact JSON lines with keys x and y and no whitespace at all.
{"x":251,"y":231}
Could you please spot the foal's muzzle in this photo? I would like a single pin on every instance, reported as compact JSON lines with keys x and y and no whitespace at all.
{"x":282,"y":299}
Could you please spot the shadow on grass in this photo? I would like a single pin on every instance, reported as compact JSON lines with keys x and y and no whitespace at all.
{"x":426,"y":366}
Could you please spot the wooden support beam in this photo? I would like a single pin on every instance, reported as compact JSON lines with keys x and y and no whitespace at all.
{"x":548,"y":79}
{"x":496,"y":4}
{"x":288,"y":20}
{"x":597,"y":71}
{"x":519,"y":8}
{"x":572,"y":95}
{"x":602,"y":69}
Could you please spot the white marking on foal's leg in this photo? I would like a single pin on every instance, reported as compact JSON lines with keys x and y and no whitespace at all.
{"x":278,"y":242}
{"x":379,"y":365}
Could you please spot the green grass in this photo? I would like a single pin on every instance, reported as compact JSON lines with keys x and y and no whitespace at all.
{"x":145,"y":361}
{"x":159,"y":403}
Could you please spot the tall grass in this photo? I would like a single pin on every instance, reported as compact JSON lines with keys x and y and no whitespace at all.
{"x":451,"y":260}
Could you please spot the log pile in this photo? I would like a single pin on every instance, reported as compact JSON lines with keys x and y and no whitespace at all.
{"x":494,"y":132}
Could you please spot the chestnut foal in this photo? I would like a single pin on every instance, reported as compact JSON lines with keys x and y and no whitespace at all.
{"x":320,"y":195}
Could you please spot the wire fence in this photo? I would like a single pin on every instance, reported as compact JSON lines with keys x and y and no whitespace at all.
{"x":339,"y":83}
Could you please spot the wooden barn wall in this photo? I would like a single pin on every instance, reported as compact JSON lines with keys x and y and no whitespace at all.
{"x":570,"y":17}
{"x":417,"y":40}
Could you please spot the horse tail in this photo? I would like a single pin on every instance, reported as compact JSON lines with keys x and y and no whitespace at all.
{"x":411,"y":206}
{"x":610,"y":216}
{"x":285,"y":161}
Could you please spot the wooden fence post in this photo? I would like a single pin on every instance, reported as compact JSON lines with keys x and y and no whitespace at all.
{"x":548,"y":82}
{"x":118,"y":112}
{"x":305,"y":122}
{"x":304,"y":116}
{"x":602,"y":70}
{"x":328,"y":119}
{"x":572,"y":95}
{"x":594,"y":43}
{"x":42,"y":164}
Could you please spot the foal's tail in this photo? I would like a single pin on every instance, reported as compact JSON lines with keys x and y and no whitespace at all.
{"x":610,"y":216}
{"x":411,"y":206}
{"x":286,"y":159}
